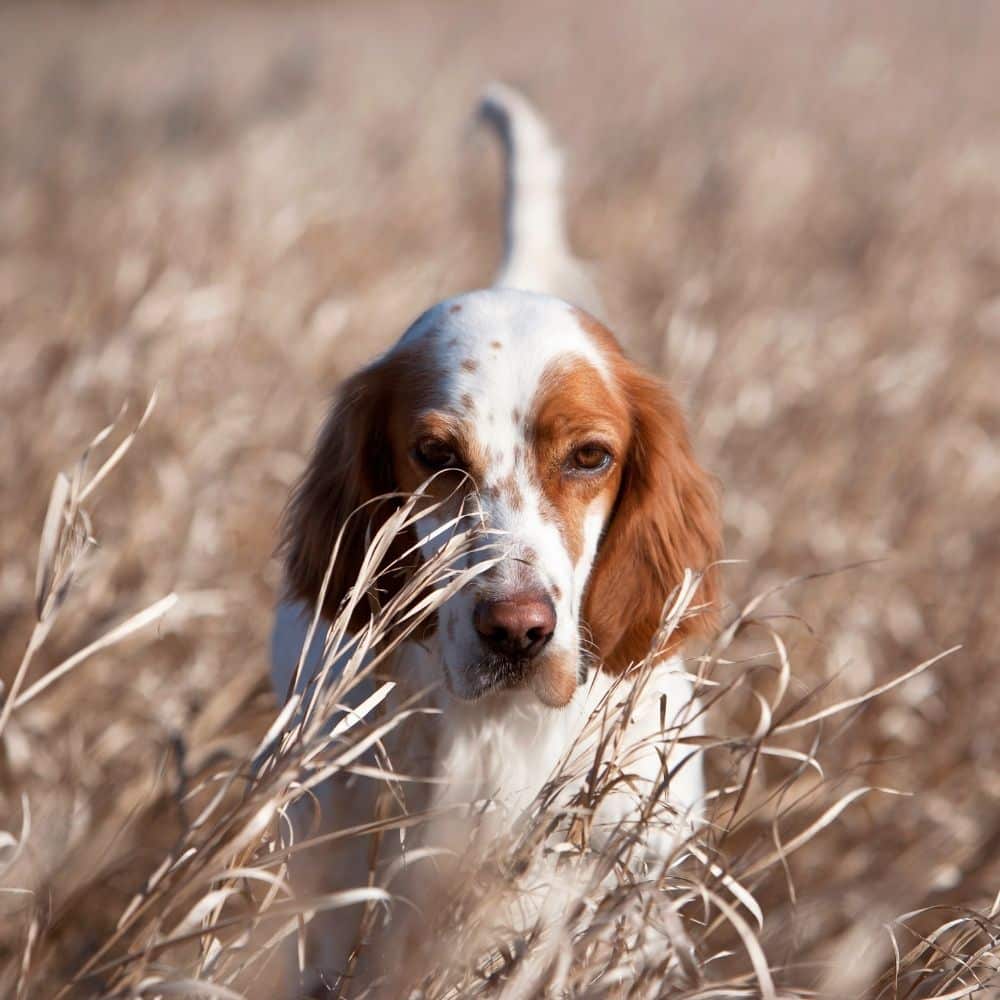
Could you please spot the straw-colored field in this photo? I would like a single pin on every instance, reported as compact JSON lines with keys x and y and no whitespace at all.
{"x":794,"y":211}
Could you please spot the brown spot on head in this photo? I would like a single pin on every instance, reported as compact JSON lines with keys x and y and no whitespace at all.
{"x":496,"y":345}
{"x":453,"y":343}
{"x":515,"y":415}
{"x":469,"y":365}
{"x":456,"y":308}
{"x":514,"y":497}
{"x":508,"y":489}
{"x":468,"y":403}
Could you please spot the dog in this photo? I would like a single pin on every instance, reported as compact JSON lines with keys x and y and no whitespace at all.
{"x":513,"y":405}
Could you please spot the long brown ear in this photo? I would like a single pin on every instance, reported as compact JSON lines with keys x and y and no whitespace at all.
{"x":665,"y":520}
{"x":351,"y":463}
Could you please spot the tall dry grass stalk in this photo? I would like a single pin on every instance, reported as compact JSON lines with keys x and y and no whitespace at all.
{"x":540,"y":910}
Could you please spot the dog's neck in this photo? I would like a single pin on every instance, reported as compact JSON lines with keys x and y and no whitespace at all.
{"x":503,"y":748}
{"x":506,"y":746}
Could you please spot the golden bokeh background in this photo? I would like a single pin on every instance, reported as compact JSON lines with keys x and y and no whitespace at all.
{"x":794,"y":213}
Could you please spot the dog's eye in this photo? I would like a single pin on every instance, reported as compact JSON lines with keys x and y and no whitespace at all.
{"x":590,"y":458}
{"x":435,"y":454}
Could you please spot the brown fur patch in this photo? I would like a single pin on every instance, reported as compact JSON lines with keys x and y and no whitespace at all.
{"x":665,"y":520}
{"x":409,"y":423}
{"x":554,"y":681}
{"x":496,"y":345}
{"x":511,"y":492}
{"x":351,"y":464}
{"x":574,"y":406}
{"x":468,"y":365}
{"x":664,"y":516}
{"x":456,"y":308}
{"x":599,"y":334}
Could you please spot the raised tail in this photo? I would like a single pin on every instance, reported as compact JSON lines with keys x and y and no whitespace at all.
{"x":537,"y":256}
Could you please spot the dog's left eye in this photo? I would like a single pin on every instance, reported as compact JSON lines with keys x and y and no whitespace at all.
{"x":590,"y":458}
{"x":435,"y":454}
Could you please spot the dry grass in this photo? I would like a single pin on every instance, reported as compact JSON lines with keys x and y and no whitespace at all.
{"x":795,"y":213}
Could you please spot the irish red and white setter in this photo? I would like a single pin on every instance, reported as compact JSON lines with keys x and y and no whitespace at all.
{"x":520,"y":407}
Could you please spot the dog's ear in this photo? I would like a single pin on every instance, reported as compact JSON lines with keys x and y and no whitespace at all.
{"x":350,"y":466}
{"x":665,"y":520}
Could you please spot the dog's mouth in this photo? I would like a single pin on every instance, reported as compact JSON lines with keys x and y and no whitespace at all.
{"x":495,"y":673}
{"x":551,"y":679}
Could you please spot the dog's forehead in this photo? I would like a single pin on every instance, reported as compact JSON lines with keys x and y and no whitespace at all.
{"x":490,"y":349}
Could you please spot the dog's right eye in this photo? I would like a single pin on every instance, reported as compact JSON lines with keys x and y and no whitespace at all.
{"x":435,"y":454}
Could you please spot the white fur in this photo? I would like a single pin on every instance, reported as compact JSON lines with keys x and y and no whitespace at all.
{"x":507,"y":746}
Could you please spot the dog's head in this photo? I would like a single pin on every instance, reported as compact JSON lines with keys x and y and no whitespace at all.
{"x":579,"y":462}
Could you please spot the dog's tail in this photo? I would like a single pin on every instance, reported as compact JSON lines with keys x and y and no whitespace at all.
{"x":537,"y":256}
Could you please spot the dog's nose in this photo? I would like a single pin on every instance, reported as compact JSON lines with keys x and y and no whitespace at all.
{"x":516,"y":626}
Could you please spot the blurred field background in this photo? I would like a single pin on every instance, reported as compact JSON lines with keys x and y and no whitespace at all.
{"x":794,"y":211}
